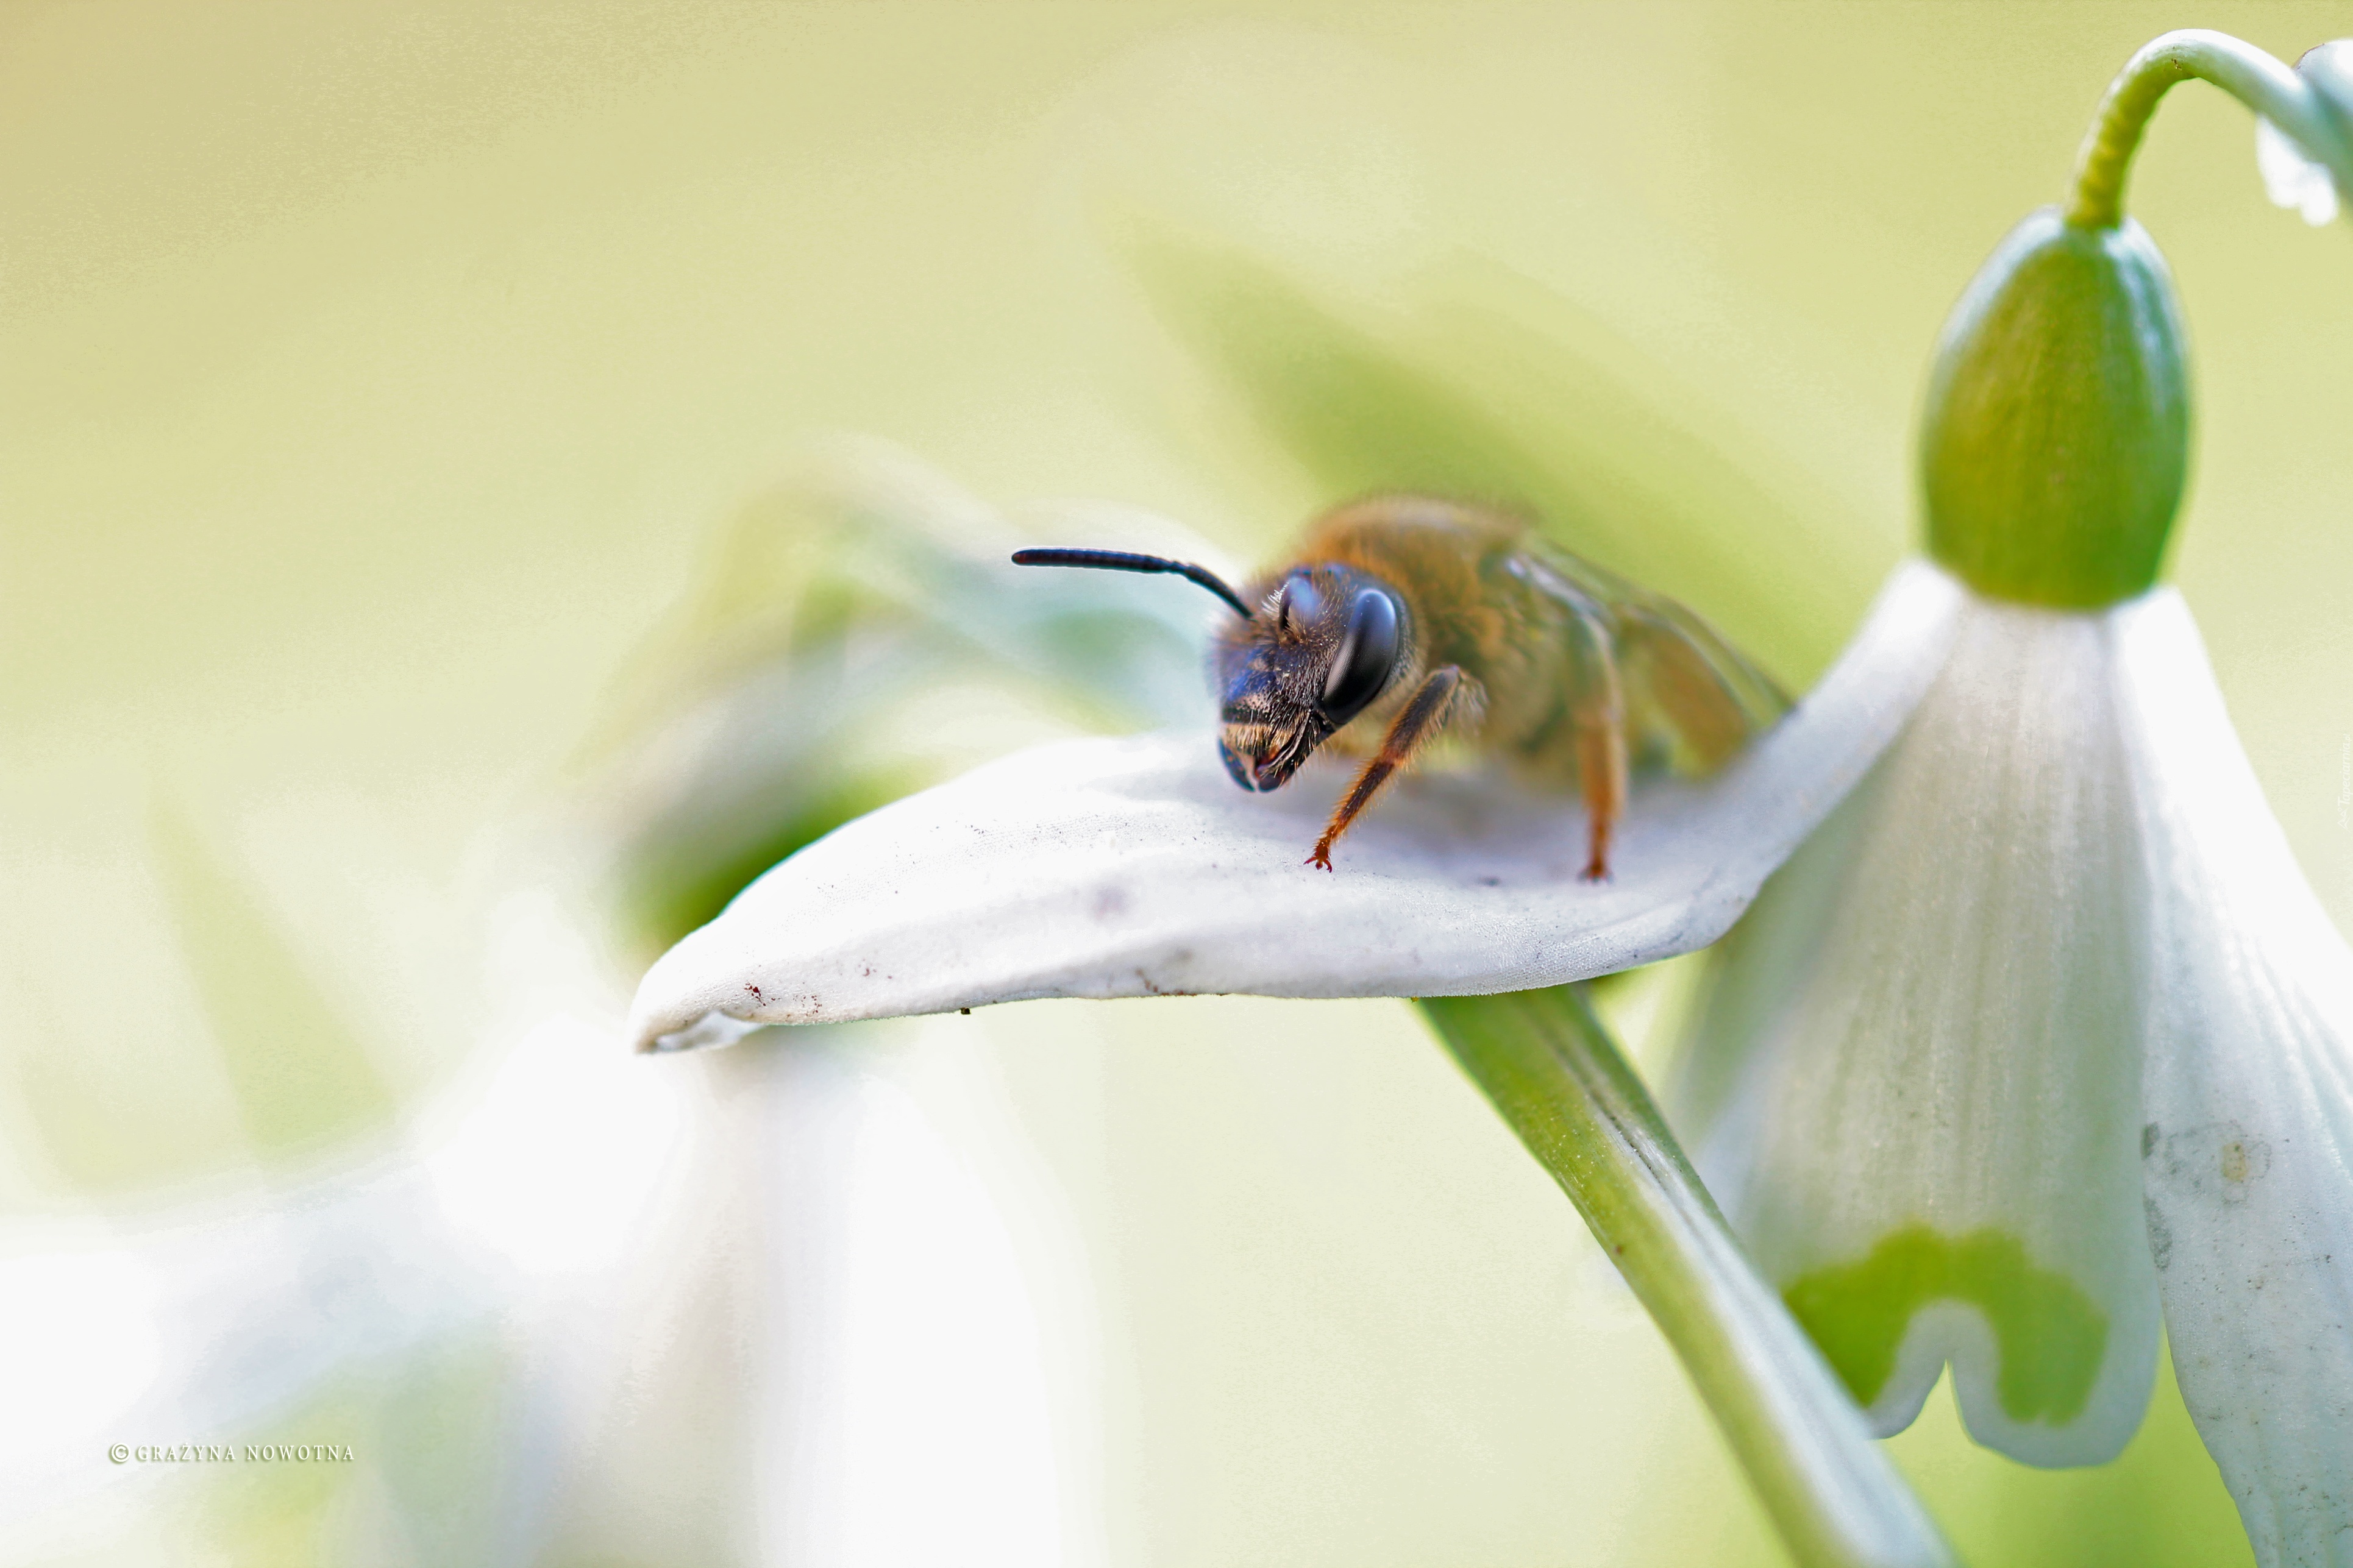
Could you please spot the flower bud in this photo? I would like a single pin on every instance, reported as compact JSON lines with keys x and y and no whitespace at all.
{"x":2056,"y":439}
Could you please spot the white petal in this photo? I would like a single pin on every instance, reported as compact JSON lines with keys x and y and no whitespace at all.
{"x":1122,"y":867}
{"x":1915,"y":1087}
{"x":2329,"y":69}
{"x":2291,"y":179}
{"x":2249,"y":1098}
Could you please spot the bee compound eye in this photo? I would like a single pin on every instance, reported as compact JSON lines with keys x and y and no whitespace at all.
{"x":1367,"y":659}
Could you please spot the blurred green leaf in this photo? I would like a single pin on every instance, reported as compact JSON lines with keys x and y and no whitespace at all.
{"x":291,"y":1513}
{"x":861,"y":583}
{"x":676,"y":883}
{"x":1495,"y":390}
{"x":301,"y":1078}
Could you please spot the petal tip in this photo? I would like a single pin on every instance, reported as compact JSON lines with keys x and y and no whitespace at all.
{"x":2292,"y":179}
{"x":709,"y":1032}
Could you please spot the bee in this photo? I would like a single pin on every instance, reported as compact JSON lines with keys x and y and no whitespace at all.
{"x":1399,"y":619}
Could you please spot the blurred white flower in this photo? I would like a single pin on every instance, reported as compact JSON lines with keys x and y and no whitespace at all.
{"x":2044,"y":1029}
{"x":222,"y":1318}
{"x":2293,"y":181}
{"x":2293,"y":175}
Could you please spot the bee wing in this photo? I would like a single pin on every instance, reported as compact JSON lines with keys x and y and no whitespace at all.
{"x":1688,"y":693}
{"x":1689,"y":688}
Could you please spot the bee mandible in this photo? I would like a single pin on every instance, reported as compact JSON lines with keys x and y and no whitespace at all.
{"x":1402,"y":618}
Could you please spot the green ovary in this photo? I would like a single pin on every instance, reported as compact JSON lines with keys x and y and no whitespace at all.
{"x":2050,"y":1333}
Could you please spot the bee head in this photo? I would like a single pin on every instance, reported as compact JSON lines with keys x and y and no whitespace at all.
{"x":1317,"y":652}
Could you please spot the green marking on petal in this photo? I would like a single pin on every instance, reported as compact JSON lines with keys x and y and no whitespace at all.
{"x":2051,"y":1335}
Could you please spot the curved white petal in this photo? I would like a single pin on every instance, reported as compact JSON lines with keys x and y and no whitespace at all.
{"x":2292,"y":180}
{"x":1915,"y":1087}
{"x":2249,"y":1100}
{"x":1122,"y":867}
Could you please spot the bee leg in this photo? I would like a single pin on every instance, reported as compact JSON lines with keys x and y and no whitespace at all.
{"x":1597,"y":716}
{"x":1420,"y":719}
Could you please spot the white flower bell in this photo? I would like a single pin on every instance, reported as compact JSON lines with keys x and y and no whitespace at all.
{"x":2293,"y":181}
{"x":2044,"y":1037}
{"x":2295,"y":178}
{"x":2043,"y":1031}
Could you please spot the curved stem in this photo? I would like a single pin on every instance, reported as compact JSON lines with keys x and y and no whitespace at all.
{"x":1547,"y":1064}
{"x":2255,"y":79}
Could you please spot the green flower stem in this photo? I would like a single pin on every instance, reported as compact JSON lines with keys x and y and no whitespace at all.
{"x":2256,"y":79}
{"x":1550,"y":1067}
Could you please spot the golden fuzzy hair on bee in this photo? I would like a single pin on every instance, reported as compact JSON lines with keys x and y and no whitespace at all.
{"x":1397,"y":619}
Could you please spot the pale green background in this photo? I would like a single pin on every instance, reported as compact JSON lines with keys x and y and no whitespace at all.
{"x":374,"y":374}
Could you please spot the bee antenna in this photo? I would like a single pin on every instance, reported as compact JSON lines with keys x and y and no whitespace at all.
{"x":1127,"y":560}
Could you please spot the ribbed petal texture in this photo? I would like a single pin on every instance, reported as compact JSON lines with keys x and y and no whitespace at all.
{"x":2249,"y":1101}
{"x":1915,"y":1089}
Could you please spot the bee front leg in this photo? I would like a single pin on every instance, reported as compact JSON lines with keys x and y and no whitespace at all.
{"x":1418,"y":721}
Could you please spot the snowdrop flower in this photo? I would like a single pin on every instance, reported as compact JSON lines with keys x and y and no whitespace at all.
{"x":2038,"y":1041}
{"x":2296,"y":176}
{"x":1107,"y":867}
{"x":2043,"y":1035}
